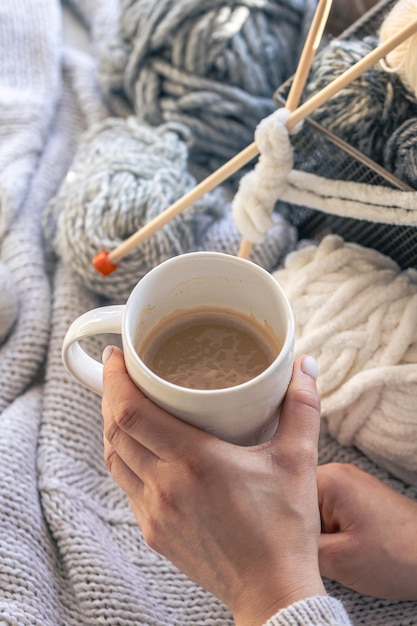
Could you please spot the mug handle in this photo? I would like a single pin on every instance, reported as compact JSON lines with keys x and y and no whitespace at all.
{"x":84,"y":368}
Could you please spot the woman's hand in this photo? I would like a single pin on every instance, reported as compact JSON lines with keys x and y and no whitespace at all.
{"x":241,"y":522}
{"x":369,"y":540}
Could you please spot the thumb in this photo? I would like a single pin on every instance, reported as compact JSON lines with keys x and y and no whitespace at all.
{"x":300,"y":410}
{"x":117,"y":383}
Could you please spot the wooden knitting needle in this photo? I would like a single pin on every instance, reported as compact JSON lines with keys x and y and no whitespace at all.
{"x":105,"y":262}
{"x":311,"y":44}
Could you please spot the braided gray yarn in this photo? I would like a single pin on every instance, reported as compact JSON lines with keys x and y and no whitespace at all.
{"x":123,"y":175}
{"x":400,"y":155}
{"x":209,"y":65}
{"x":366,"y":112}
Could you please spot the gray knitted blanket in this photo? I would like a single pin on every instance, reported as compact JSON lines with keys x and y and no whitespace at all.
{"x":71,"y":552}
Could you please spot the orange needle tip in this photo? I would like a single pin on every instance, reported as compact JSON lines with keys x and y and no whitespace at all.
{"x":102,"y":263}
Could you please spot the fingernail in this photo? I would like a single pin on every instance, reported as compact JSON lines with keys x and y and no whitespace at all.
{"x":309,"y":366}
{"x":106,"y":353}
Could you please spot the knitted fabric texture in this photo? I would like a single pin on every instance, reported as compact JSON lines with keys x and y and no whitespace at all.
{"x":356,"y":312}
{"x":28,"y":98}
{"x":317,"y":610}
{"x":71,"y":553}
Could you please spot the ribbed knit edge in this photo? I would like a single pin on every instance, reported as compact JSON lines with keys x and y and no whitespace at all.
{"x":315,"y":611}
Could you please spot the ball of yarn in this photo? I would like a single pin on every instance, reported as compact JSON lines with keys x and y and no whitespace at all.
{"x":369,"y":109}
{"x":356,"y":312}
{"x":123,"y":175}
{"x":401,"y":60}
{"x":400,"y":155}
{"x":209,"y":65}
{"x":8,"y":301}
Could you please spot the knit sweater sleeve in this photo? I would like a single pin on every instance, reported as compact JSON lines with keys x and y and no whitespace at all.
{"x":315,"y":611}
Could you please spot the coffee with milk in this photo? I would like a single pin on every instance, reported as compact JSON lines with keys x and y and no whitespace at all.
{"x":208,"y":348}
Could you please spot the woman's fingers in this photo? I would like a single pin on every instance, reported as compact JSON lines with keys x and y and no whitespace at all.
{"x":361,"y":545}
{"x":127,"y":410}
{"x":125,"y":477}
{"x":300,"y":411}
{"x":131,"y":420}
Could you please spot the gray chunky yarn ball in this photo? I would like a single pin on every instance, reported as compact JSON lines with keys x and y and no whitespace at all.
{"x":400,"y":155}
{"x":206,"y":64}
{"x":123,"y":175}
{"x":371,"y":108}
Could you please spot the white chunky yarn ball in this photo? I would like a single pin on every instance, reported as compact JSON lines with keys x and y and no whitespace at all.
{"x":356,"y":313}
{"x":401,"y":60}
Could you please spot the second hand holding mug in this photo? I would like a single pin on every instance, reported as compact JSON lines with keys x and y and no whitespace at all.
{"x":243,"y":414}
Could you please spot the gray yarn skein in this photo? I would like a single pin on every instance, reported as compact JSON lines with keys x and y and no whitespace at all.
{"x":123,"y":175}
{"x":400,"y":155}
{"x":370,"y":109}
{"x":203,"y":64}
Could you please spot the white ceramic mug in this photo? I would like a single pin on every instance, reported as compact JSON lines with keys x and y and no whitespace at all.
{"x":243,"y":414}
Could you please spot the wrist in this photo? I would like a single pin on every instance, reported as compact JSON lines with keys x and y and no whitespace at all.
{"x":259,"y":605}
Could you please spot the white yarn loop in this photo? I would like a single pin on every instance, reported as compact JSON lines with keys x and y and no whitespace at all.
{"x":356,"y":313}
{"x":272,"y":137}
{"x":260,"y":189}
